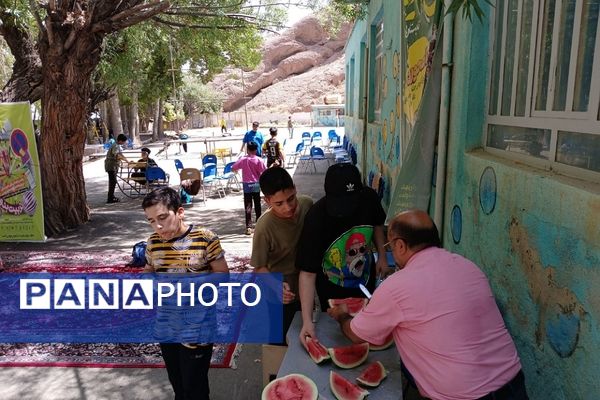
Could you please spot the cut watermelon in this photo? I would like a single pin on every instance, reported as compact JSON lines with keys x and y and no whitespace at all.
{"x":372,"y":375}
{"x":343,"y":389}
{"x":354,"y":304}
{"x":316,"y":350}
{"x":350,"y":356}
{"x":293,"y":386}
{"x":388,"y":343}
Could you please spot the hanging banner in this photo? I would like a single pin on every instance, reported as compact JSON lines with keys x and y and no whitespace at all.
{"x":421,"y":100}
{"x":21,"y":207}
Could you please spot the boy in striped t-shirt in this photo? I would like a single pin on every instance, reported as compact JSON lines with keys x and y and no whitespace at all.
{"x":178,"y":247}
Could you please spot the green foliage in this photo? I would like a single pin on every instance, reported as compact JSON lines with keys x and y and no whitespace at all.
{"x":357,"y":9}
{"x":468,"y":7}
{"x":198,"y":97}
{"x":6,"y":62}
{"x":172,"y":113}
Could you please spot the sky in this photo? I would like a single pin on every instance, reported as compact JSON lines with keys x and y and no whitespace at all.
{"x":297,"y":13}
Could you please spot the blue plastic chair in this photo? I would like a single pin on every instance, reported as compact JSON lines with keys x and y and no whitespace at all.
{"x":316,"y":138}
{"x":317,"y":154}
{"x":209,"y":159}
{"x":334,"y":138}
{"x":306,"y":139}
{"x":211,"y":180}
{"x":178,"y":165}
{"x":230,"y":177}
{"x":156,"y":177}
{"x":292,"y":157}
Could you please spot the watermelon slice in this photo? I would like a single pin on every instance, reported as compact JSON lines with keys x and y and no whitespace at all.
{"x":372,"y":375}
{"x":343,"y":389}
{"x":349,"y":356}
{"x":293,"y":386}
{"x":388,"y":343}
{"x":353,"y":304}
{"x":316,"y":350}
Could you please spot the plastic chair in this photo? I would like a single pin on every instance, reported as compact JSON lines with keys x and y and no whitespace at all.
{"x":156,"y":178}
{"x":230,"y":177}
{"x":191,"y":181}
{"x":316,"y":138}
{"x":306,"y":139}
{"x":292,"y":157}
{"x":317,"y":154}
{"x":305,"y":162}
{"x":334,"y":139}
{"x":178,"y":165}
{"x":211,"y":180}
{"x":210,"y":159}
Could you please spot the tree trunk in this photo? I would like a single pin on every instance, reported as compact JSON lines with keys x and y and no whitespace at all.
{"x":134,"y":119}
{"x":125,"y":121}
{"x":103,"y":118}
{"x":115,"y":116}
{"x":64,"y":102}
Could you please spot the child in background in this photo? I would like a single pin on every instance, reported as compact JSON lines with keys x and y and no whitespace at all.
{"x":252,"y":166}
{"x":272,"y":149}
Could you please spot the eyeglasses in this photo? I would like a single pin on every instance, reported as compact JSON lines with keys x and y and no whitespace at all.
{"x":353,"y":252}
{"x":388,"y":246}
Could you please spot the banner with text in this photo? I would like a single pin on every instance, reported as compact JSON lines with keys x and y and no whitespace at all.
{"x":421,"y":97}
{"x":21,"y":207}
{"x":141,"y":308}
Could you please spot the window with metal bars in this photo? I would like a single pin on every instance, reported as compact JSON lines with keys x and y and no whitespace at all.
{"x":544,"y":98}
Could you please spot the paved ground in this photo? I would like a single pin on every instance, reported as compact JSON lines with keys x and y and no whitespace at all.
{"x":115,"y":228}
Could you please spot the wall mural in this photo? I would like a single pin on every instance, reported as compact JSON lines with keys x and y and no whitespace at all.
{"x":487,"y":190}
{"x":560,"y":312}
{"x":456,"y":224}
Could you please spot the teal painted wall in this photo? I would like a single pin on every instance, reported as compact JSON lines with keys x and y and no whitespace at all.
{"x":535,"y":233}
{"x":379,"y":150}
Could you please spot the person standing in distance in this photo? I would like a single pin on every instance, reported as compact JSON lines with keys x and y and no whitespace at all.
{"x":290,"y":126}
{"x":114,"y":156}
{"x":272,"y":149}
{"x":255,"y":136}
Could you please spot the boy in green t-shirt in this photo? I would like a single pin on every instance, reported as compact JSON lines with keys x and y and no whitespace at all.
{"x":277,"y":233}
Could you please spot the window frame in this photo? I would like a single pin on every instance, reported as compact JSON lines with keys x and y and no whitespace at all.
{"x":586,"y":122}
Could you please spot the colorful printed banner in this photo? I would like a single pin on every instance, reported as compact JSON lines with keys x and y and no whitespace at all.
{"x":421,"y":98}
{"x":21,"y":207}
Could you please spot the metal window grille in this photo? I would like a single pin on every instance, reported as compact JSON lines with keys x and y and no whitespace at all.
{"x":544,"y":96}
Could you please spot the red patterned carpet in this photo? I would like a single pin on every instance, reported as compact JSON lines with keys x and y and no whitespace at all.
{"x":106,"y":355}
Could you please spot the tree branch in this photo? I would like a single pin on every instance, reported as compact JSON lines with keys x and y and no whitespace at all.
{"x":222,"y":27}
{"x":131,"y":16}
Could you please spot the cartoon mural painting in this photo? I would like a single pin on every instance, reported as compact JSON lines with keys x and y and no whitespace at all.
{"x":348,"y":260}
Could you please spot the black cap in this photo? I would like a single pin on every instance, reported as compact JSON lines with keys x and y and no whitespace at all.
{"x":145,"y":150}
{"x":343,"y":186}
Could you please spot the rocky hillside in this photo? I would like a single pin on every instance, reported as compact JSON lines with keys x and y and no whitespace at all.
{"x":299,"y":68}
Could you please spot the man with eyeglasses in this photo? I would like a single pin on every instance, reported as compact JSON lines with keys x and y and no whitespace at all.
{"x":335,"y":252}
{"x":441,"y":312}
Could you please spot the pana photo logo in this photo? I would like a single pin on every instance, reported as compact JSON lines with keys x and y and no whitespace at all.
{"x":133,"y":294}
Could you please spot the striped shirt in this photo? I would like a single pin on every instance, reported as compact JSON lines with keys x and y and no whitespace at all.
{"x":191,"y":252}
